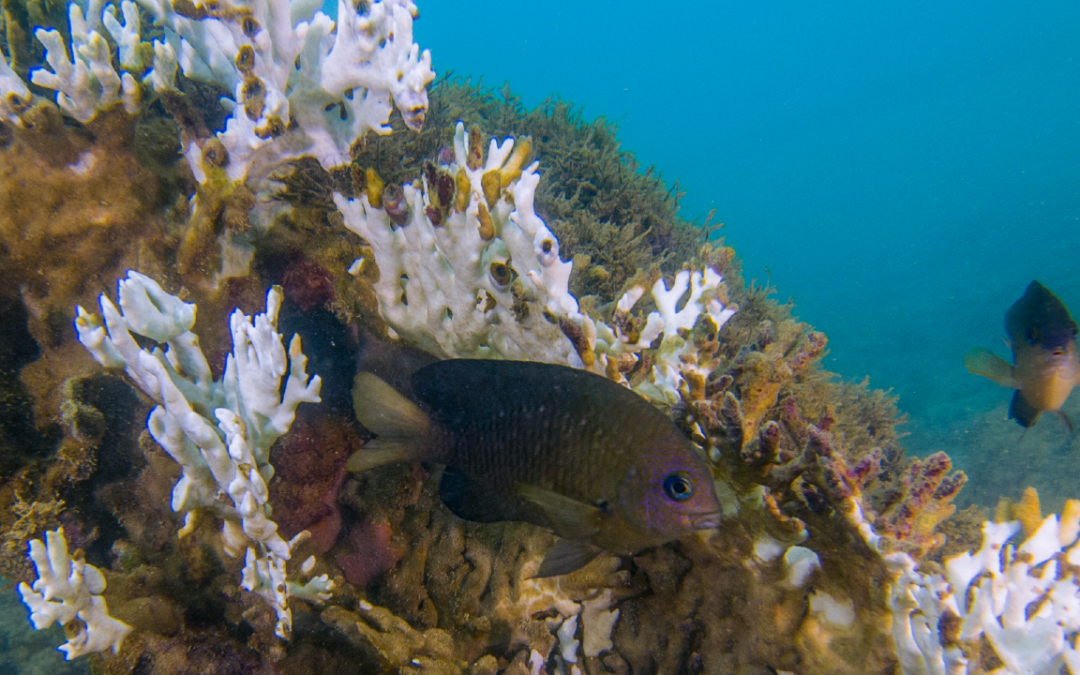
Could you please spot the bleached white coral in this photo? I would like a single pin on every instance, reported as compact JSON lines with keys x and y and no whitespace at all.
{"x":486,"y":281}
{"x":225,"y":463}
{"x":468,"y":269}
{"x":68,"y":591}
{"x":301,"y":83}
{"x":266,"y":576}
{"x":14,"y":94}
{"x":1025,"y":601}
{"x":85,"y":80}
{"x":676,"y":357}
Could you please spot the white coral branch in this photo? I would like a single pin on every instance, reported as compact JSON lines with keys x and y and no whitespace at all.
{"x":68,"y":591}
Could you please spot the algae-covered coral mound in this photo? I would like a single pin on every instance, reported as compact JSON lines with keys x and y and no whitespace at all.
{"x":231,"y":535}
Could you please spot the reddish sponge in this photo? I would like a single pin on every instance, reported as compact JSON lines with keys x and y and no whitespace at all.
{"x":309,"y":470}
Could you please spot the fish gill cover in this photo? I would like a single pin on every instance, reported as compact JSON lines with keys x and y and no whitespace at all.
{"x":192,"y":484}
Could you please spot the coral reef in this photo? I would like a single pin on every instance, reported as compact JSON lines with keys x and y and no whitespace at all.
{"x":233,"y":458}
{"x":545,"y":243}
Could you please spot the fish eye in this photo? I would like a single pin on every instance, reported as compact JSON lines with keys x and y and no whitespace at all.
{"x":678,"y":486}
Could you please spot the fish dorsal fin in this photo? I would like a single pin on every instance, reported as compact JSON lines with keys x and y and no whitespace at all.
{"x":568,"y":517}
{"x":566,"y":556}
{"x":401,"y":427}
{"x":1023,"y":412}
{"x":981,"y":361}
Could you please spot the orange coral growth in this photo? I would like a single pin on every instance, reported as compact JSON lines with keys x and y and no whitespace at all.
{"x":1028,"y":511}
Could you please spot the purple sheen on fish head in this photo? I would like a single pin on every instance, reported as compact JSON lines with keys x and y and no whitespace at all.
{"x":669,"y":492}
{"x":1053,"y":337}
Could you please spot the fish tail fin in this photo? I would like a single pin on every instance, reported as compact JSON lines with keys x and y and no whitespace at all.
{"x":984,"y":362}
{"x":1022,"y":411}
{"x":402,"y":428}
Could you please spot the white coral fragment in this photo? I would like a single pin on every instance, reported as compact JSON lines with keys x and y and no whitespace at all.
{"x":68,"y":591}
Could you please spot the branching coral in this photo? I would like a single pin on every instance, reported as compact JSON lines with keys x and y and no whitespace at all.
{"x":467,"y":269}
{"x":68,"y":592}
{"x":230,"y":458}
{"x":1008,"y":608}
{"x":85,"y":80}
{"x":301,"y":84}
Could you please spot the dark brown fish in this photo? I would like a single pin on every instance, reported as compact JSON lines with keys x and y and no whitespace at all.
{"x":550,"y":445}
{"x":1045,"y":364}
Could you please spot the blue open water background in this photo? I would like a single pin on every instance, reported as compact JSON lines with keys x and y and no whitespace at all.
{"x":901,"y":169}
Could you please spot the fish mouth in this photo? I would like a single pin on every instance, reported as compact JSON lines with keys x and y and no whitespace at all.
{"x":705,"y":521}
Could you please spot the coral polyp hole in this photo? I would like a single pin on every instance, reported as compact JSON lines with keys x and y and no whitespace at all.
{"x":252,"y":88}
{"x":17,"y":103}
{"x":214,"y":153}
{"x":245,"y":59}
{"x":546,"y":246}
{"x":501,"y":273}
{"x":449,"y":313}
{"x":249,"y":26}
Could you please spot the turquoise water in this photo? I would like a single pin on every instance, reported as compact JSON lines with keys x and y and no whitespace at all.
{"x":901,"y":169}
{"x":25,"y":651}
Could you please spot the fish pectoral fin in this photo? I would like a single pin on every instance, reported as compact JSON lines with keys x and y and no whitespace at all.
{"x":568,"y":517}
{"x":981,"y":361}
{"x":1065,"y":418}
{"x":384,"y":411}
{"x":1022,"y":411}
{"x":566,"y":556}
{"x":383,"y":451}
